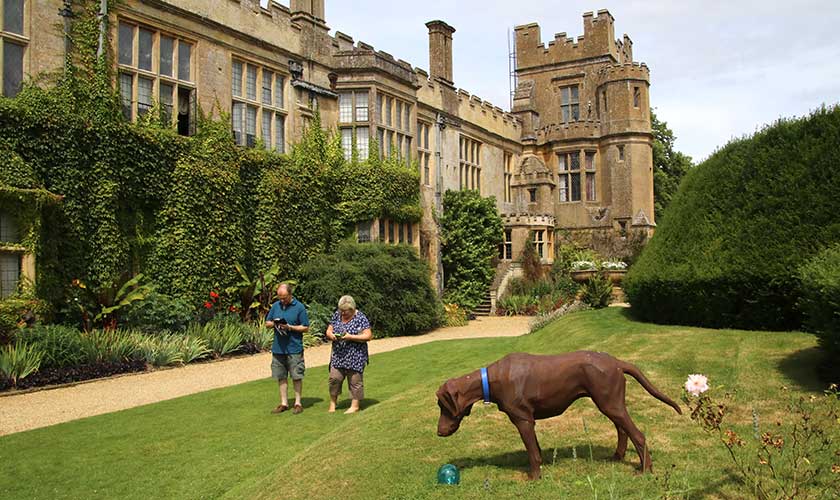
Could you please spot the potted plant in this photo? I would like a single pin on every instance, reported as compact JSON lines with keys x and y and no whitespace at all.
{"x":583,"y":270}
{"x":614,"y":270}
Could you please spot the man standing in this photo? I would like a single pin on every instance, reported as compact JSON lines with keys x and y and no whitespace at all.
{"x":289,"y":320}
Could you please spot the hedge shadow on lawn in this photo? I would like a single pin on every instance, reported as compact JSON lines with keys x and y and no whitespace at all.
{"x":802,"y":368}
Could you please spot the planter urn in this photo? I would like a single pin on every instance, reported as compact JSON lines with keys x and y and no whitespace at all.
{"x":583,"y":276}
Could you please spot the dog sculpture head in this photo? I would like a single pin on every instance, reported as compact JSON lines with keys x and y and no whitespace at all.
{"x":452,"y":408}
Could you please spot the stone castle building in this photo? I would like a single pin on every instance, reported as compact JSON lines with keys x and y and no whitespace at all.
{"x":573,"y":156}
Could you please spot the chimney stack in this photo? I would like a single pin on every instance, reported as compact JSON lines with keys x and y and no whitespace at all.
{"x":314,"y":8}
{"x":440,"y":50}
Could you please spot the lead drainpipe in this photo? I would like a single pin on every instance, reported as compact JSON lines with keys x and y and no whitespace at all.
{"x":66,"y":12}
{"x":103,"y":23}
{"x":441,"y":124}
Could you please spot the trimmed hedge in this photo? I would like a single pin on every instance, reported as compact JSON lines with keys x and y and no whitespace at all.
{"x":821,"y":300}
{"x":389,"y":283}
{"x":728,"y":251}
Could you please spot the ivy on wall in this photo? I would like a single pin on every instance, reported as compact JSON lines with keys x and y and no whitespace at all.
{"x":199,"y":236}
{"x":22,"y":199}
{"x":379,"y":187}
{"x":295,"y":217}
{"x":137,"y":197}
{"x":471,"y":230}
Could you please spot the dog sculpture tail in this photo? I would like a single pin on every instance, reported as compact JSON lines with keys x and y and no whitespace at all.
{"x":637,"y":374}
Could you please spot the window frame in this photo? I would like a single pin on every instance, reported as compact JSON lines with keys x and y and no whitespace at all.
{"x":356,"y":123}
{"x":570,"y":105}
{"x":469,"y":163}
{"x":21,"y":40}
{"x":539,"y":242}
{"x":508,"y":176}
{"x":173,"y":80}
{"x":273,"y":110}
{"x":393,"y":131}
{"x":424,"y":151}
{"x":569,"y":176}
{"x":590,"y":171}
{"x":507,"y":245}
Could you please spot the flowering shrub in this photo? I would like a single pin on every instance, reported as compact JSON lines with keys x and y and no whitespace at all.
{"x":584,"y":265}
{"x":212,"y":307}
{"x":613,"y":265}
{"x":454,"y":315}
{"x":696,"y":385}
{"x":799,"y":458}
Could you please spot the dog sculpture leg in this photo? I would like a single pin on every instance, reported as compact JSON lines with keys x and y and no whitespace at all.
{"x":529,"y":437}
{"x":621,"y":448}
{"x":623,"y":421}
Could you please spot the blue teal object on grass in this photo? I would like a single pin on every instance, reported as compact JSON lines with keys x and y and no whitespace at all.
{"x":448,"y":474}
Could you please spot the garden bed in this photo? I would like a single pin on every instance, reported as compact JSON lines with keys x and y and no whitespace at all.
{"x":69,"y":375}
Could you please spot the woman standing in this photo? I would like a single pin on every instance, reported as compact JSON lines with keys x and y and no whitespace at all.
{"x":349,"y":331}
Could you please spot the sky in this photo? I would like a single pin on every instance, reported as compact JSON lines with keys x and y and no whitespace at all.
{"x":719,"y":69}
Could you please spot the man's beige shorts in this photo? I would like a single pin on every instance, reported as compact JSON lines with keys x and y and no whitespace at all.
{"x":284,"y":365}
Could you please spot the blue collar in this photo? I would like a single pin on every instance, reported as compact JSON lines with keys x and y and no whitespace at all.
{"x":292,"y":302}
{"x":485,"y":386}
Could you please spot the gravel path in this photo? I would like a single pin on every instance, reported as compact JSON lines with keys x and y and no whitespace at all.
{"x":32,"y":410}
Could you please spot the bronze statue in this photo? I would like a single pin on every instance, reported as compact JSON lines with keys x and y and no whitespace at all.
{"x":529,"y":387}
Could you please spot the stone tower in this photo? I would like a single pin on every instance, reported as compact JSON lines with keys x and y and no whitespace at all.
{"x":586,"y":114}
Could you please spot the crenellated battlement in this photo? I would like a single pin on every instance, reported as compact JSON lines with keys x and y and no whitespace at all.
{"x":273,"y":23}
{"x":598,"y":40}
{"x":625,"y":49}
{"x":626,"y":71}
{"x":476,"y":103}
{"x":365,"y":56}
{"x":276,"y":10}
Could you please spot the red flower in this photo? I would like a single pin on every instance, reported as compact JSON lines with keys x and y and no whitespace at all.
{"x":214,"y":295}
{"x":208,"y":305}
{"x":232,"y":309}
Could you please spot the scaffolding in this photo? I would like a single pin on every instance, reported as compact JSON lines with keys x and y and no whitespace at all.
{"x":512,"y":78}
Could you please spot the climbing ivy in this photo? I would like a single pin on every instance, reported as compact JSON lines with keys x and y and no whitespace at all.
{"x":199,"y":232}
{"x":295,"y":217}
{"x":379,"y":187}
{"x":471,"y":230}
{"x":137,"y":197}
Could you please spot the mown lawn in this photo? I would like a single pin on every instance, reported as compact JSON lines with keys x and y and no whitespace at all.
{"x":224,"y":443}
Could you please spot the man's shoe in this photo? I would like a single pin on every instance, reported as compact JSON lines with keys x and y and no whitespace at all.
{"x":297,"y":409}
{"x":280,"y":409}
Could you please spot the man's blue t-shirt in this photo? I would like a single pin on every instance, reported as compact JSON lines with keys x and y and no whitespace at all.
{"x":294,"y":314}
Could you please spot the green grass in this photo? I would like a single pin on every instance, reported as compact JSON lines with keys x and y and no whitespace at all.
{"x":224,"y":443}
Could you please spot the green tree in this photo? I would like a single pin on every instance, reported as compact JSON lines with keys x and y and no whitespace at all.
{"x":531,"y":266}
{"x":669,"y":166}
{"x":390,"y":284}
{"x":471,"y":230}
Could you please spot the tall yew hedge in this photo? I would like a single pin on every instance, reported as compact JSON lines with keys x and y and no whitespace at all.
{"x":742,"y":223}
{"x":471,"y":230}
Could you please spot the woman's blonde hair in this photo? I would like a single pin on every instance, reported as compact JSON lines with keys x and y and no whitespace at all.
{"x":346,"y":303}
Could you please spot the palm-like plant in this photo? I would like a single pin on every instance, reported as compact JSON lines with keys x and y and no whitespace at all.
{"x":19,"y":361}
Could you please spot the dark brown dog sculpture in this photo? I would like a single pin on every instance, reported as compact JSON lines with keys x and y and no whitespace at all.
{"x":528,"y":387}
